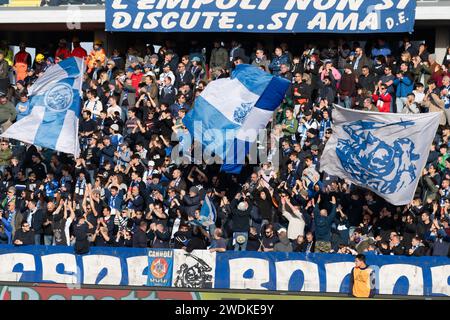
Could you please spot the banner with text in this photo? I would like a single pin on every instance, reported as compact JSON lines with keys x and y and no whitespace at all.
{"x":200,"y":269}
{"x":297,"y":272}
{"x":274,"y":16}
{"x":160,"y":263}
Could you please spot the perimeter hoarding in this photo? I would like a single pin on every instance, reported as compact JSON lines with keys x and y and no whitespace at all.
{"x":271,"y":16}
{"x":283,"y":272}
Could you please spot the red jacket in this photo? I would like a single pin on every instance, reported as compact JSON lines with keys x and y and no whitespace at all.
{"x":63,"y":52}
{"x":79,"y":52}
{"x":383,"y":102}
{"x":135,"y":80}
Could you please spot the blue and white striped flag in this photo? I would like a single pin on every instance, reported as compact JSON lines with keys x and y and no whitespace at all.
{"x":229,"y":113}
{"x":208,"y":213}
{"x":383,"y":152}
{"x":55,"y":100}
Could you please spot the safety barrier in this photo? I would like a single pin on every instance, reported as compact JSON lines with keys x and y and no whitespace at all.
{"x":293,"y":272}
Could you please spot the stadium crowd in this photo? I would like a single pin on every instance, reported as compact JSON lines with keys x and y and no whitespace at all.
{"x":126,"y":190}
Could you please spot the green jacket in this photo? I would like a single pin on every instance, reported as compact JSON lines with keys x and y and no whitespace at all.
{"x":7,"y":112}
{"x":281,"y":114}
{"x":441,"y":164}
{"x":5,"y":156}
{"x":291,"y":126}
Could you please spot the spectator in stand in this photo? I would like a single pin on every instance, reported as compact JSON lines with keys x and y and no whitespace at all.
{"x":24,"y":236}
{"x":62,"y":52}
{"x":404,"y":86}
{"x":279,"y":58}
{"x":78,"y":51}
{"x":22,"y":61}
{"x":322,"y":222}
{"x":382,"y":98}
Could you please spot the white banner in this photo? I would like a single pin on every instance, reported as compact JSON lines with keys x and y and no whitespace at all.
{"x":194,"y":270}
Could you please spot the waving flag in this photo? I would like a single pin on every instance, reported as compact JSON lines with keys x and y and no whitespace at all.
{"x":228,"y":114}
{"x":208,"y":212}
{"x":385,"y":153}
{"x":55,"y":100}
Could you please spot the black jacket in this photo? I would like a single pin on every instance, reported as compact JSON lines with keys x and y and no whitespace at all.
{"x":80,"y":233}
{"x":36,"y":221}
{"x":162,"y":240}
{"x":190,"y":204}
{"x":186,"y":78}
{"x":140,"y":239}
{"x":27,"y":238}
{"x":241,"y":219}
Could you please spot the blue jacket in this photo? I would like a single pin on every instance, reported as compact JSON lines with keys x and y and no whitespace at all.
{"x":276,"y":63}
{"x":114,"y":202}
{"x":404,"y":86}
{"x":51,"y":187}
{"x":323,"y":224}
{"x":8,"y":229}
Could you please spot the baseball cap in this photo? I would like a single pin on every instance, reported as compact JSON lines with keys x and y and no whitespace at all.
{"x":281,"y":230}
{"x":154,"y":56}
{"x":314,"y":147}
{"x":151,"y":163}
{"x":196,"y":59}
{"x":2,"y":94}
{"x":115,"y":127}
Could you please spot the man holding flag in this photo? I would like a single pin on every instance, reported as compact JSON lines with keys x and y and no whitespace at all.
{"x":55,"y":100}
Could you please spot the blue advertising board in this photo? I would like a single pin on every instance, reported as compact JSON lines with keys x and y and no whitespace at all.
{"x":271,"y":16}
{"x":395,"y":275}
{"x":59,"y":264}
{"x":293,"y":272}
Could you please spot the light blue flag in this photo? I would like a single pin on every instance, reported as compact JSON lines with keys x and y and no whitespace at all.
{"x":229,"y":113}
{"x":55,"y":101}
{"x":208,"y":213}
{"x":383,"y":152}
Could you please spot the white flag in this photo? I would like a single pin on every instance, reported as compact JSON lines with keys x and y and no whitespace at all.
{"x":55,"y":102}
{"x":382,"y":152}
